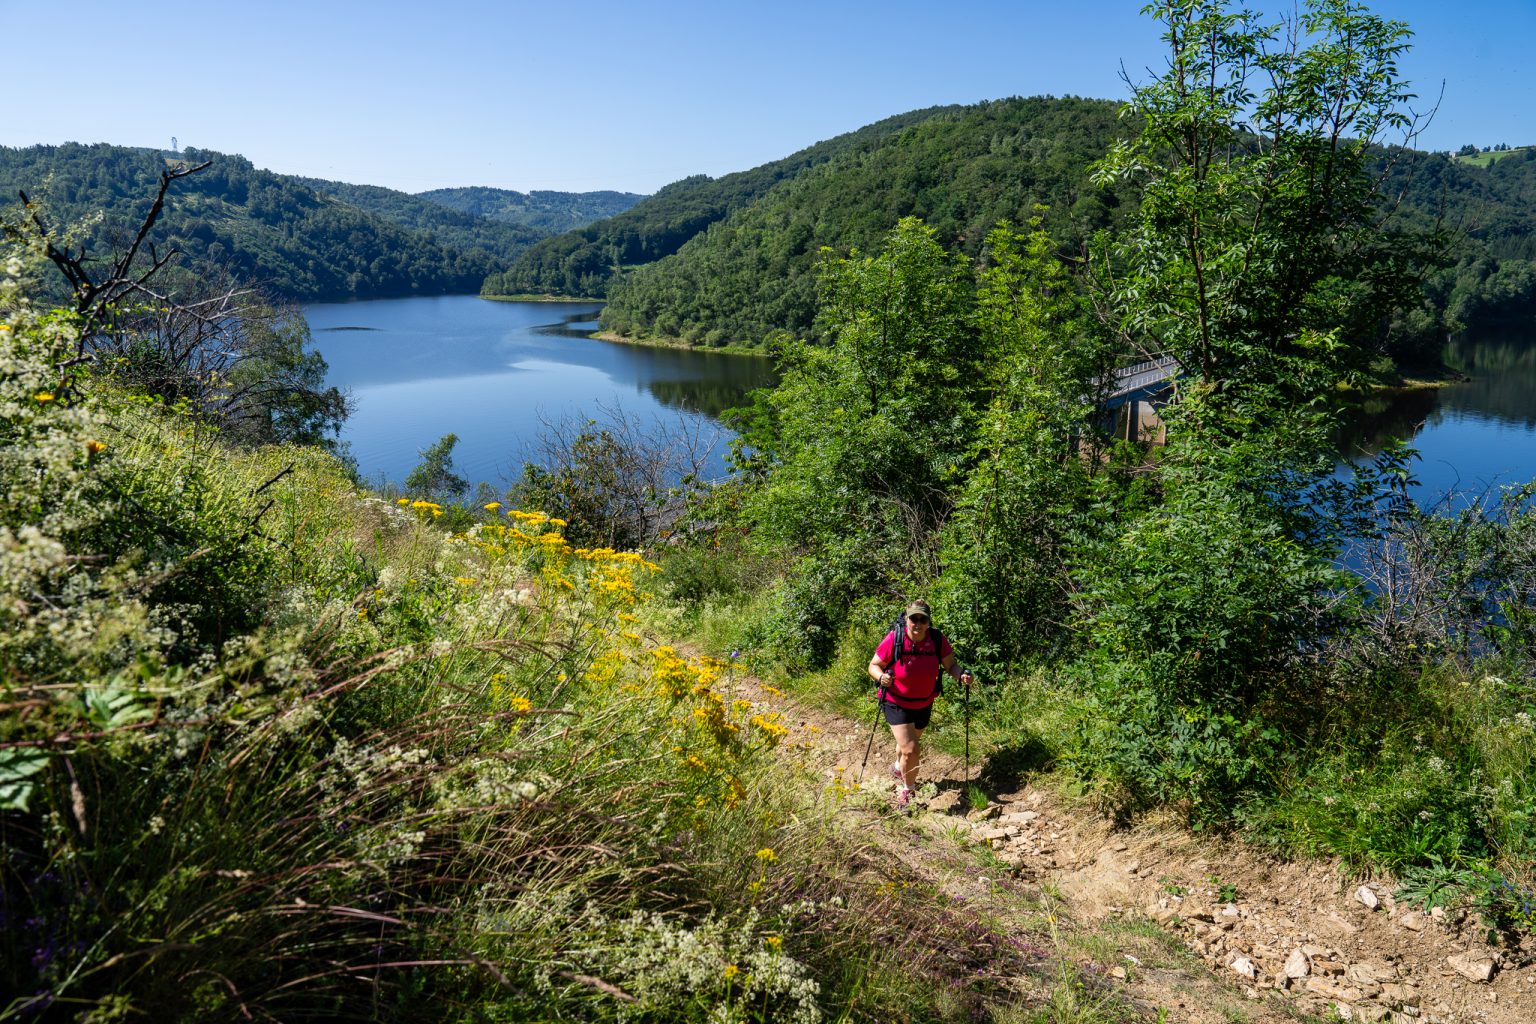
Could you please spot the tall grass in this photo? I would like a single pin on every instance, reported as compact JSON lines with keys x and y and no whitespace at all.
{"x":275,"y":748}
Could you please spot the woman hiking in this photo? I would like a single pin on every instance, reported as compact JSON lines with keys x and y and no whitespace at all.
{"x":907,"y":665}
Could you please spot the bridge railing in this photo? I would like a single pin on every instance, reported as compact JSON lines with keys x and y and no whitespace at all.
{"x":1142,"y":375}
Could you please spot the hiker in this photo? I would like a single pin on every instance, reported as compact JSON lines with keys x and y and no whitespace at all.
{"x":906,"y":665}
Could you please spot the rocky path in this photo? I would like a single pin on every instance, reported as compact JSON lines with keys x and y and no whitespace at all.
{"x":1198,"y":931}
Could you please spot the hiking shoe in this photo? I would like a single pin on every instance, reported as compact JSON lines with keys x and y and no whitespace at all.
{"x":903,"y":798}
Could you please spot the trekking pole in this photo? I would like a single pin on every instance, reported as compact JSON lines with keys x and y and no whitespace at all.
{"x":873,"y":725}
{"x":966,"y":700}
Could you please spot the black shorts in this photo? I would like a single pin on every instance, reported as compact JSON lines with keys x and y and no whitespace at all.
{"x":895,"y":714}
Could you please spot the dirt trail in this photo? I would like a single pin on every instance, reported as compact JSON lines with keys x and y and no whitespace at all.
{"x":1203,"y":931}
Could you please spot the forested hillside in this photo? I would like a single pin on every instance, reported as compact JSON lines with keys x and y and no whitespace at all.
{"x":262,"y":228}
{"x":1490,"y":213}
{"x":749,"y":271}
{"x":961,"y":172}
{"x":503,"y":239}
{"x":549,"y":212}
{"x":581,"y":263}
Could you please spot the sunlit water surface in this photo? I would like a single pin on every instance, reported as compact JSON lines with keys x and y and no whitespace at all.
{"x":495,"y":373}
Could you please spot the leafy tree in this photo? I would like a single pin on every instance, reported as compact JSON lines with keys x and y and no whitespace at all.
{"x":1005,"y":555}
{"x":1258,"y":256}
{"x":1256,"y":259}
{"x":943,"y":439}
{"x":277,"y":390}
{"x":434,"y":476}
{"x":870,"y":431}
{"x":205,"y":341}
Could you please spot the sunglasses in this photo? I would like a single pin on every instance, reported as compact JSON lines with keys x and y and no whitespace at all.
{"x":918,"y":620}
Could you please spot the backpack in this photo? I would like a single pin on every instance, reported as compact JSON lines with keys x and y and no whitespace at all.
{"x":938,"y":642}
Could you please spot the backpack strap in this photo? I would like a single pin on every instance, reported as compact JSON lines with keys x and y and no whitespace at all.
{"x":900,"y":647}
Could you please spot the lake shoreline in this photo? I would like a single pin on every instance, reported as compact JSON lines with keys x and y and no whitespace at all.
{"x":678,"y":344}
{"x":536,"y":298}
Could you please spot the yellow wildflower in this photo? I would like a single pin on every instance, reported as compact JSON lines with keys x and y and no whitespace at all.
{"x":43,"y":396}
{"x":94,"y":447}
{"x":492,"y":506}
{"x":775,"y":942}
{"x":767,"y":856}
{"x":731,"y":970}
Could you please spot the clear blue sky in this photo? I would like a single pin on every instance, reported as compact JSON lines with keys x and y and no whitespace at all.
{"x":623,"y":95}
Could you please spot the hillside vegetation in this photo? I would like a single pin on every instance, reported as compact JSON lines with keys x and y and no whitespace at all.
{"x":264,"y":229}
{"x":961,"y":171}
{"x":749,"y":272}
{"x":548,"y":212}
{"x":444,"y":224}
{"x":582,"y":263}
{"x":276,"y":747}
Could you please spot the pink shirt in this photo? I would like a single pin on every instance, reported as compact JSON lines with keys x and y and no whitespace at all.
{"x":917,"y":673}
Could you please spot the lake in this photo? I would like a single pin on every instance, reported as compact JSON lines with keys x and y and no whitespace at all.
{"x":1473,"y":436}
{"x":495,"y":372}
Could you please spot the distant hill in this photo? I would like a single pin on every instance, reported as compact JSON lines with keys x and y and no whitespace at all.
{"x":447,"y":226}
{"x":549,"y":212}
{"x":268,"y":229}
{"x":732,"y":260}
{"x":961,"y":169}
{"x":1485,"y":157}
{"x":581,"y":263}
{"x":1490,"y":211}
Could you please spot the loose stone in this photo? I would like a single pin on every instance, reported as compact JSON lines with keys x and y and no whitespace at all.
{"x":1474,"y":968}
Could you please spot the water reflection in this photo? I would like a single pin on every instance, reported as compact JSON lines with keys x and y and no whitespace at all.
{"x":1385,"y":417}
{"x":1472,"y":435}
{"x":494,"y":372}
{"x":1502,"y":382}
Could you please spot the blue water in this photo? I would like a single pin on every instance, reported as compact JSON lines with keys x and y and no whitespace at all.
{"x":495,"y":373}
{"x":1473,"y":437}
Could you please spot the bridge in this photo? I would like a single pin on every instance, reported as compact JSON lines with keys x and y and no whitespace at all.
{"x":1136,"y":392}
